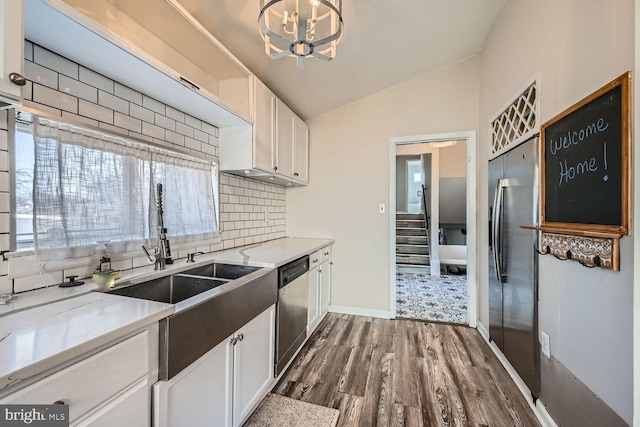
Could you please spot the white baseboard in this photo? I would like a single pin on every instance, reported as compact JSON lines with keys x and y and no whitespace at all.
{"x":538,"y":408}
{"x":356,"y":311}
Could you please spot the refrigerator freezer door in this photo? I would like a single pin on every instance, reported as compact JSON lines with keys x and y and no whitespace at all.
{"x":519,"y":260}
{"x":495,"y":287}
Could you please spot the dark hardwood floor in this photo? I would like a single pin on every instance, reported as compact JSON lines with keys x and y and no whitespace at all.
{"x":401,"y":372}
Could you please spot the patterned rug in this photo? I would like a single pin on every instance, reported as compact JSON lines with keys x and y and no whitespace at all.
{"x":422,"y":296}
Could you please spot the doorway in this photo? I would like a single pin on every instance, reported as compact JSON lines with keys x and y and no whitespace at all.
{"x":454,"y":237}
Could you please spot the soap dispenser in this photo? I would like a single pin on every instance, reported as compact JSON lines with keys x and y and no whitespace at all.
{"x":101,"y":260}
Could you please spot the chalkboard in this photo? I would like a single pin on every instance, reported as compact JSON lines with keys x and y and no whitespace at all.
{"x":586,"y":161}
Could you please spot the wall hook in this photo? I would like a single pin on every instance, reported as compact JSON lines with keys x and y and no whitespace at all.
{"x":567,"y":256}
{"x":596,"y":262}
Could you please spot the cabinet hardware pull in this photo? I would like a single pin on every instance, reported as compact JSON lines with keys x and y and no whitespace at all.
{"x":240,"y":337}
{"x":59,"y":402}
{"x":17,"y":79}
{"x":189,"y":84}
{"x":234,"y":340}
{"x":275,"y":168}
{"x":296,"y":174}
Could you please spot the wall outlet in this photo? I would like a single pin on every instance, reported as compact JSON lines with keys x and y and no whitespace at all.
{"x":381,"y":208}
{"x":544,"y":344}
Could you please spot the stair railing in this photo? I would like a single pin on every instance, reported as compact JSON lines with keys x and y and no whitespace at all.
{"x":426,"y":216}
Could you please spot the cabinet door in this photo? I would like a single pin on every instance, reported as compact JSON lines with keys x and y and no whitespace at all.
{"x":200,"y":395}
{"x":131,"y":408}
{"x":301,"y":150}
{"x":314,"y":299}
{"x":12,"y":45}
{"x":284,"y":140}
{"x":264,"y":142}
{"x":253,"y":364}
{"x":325,"y":286}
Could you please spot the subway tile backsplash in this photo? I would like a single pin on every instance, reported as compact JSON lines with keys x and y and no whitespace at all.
{"x":250,"y":211}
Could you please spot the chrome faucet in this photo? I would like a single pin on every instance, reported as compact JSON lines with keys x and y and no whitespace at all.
{"x":160,"y":257}
{"x":192,"y":257}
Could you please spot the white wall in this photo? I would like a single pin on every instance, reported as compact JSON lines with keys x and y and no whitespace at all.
{"x":577,"y":47}
{"x":349,"y":174}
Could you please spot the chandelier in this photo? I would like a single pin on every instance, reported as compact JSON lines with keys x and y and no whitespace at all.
{"x":301,"y":28}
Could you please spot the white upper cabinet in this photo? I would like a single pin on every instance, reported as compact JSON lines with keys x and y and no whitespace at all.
{"x":153,"y":46}
{"x":264,"y":120}
{"x":275,"y":149}
{"x":11,"y":51}
{"x":300,"y":150}
{"x":284,"y":140}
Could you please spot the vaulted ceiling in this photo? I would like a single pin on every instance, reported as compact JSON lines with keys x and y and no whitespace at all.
{"x":386,"y":42}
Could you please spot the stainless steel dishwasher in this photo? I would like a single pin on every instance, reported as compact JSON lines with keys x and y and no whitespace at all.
{"x":291,"y":315}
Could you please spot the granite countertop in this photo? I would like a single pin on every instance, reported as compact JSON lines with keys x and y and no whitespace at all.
{"x":34,"y":340}
{"x":44,"y":328}
{"x":273,"y":253}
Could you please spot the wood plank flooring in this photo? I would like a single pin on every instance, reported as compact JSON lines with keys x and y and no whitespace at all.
{"x":404,"y":373}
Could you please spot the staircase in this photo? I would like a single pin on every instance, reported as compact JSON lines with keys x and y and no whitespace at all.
{"x":412,"y":240}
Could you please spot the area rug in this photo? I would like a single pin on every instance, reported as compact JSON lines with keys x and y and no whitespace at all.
{"x":281,"y":411}
{"x":425,"y":297}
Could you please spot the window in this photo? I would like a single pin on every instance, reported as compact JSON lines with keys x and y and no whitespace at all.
{"x":76,"y":186}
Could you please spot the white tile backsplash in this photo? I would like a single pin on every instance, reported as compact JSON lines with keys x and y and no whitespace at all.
{"x":154,"y":105}
{"x":152,"y":130}
{"x":76,"y":88}
{"x":22,"y":284}
{"x":141,"y":113}
{"x":193,"y":122}
{"x":79,"y":119}
{"x":96,"y":80}
{"x":3,"y":140}
{"x":113,"y":102}
{"x":4,"y":202}
{"x":129,"y":94}
{"x":28,"y":50}
{"x":165,"y":121}
{"x":127,"y":122}
{"x":48,"y":96}
{"x":55,"y":62}
{"x":178,"y":116}
{"x":27,"y":91}
{"x":39,"y":74}
{"x":96,"y":112}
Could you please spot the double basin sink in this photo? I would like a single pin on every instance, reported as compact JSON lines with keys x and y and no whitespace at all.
{"x":211,"y":302}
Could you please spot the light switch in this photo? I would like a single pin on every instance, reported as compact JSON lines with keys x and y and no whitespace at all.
{"x":381,"y":208}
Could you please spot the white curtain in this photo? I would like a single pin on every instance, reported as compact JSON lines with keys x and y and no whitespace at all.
{"x":89,"y":187}
{"x":188,"y":197}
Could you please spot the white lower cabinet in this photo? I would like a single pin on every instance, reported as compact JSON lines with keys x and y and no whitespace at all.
{"x":224,"y":386}
{"x":132,"y":408}
{"x":319,"y":287}
{"x":109,"y":385}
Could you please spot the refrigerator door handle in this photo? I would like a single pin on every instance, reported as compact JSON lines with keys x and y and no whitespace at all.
{"x":496,"y":229}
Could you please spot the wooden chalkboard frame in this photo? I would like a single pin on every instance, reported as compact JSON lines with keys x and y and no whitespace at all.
{"x":617,"y":230}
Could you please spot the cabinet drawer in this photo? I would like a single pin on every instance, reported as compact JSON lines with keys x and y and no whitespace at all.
{"x":131,"y":408}
{"x":91,"y":381}
{"x":315,"y":259}
{"x":325,"y":254}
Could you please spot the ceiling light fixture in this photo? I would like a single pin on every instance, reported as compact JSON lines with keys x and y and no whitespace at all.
{"x":301,"y":28}
{"x":443,"y":144}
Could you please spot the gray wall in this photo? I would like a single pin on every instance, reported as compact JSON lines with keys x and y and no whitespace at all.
{"x":401,"y":181}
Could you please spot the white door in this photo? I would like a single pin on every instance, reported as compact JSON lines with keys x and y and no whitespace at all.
{"x":325,"y":286}
{"x":11,"y":45}
{"x":314,"y":299}
{"x":265,"y":109}
{"x":284,"y":139}
{"x":200,"y":395}
{"x":253,"y":364}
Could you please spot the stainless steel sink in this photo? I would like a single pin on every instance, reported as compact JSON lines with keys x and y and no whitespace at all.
{"x":169,"y":289}
{"x":222,"y":271}
{"x":210,"y":303}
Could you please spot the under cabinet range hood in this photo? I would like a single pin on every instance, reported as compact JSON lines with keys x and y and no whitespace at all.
{"x":153,"y":53}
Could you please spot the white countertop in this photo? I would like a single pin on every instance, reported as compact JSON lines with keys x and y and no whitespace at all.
{"x":46,"y":327}
{"x":32,"y":341}
{"x":273,"y":253}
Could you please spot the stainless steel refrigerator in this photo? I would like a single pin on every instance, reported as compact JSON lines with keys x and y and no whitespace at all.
{"x":513,"y":281}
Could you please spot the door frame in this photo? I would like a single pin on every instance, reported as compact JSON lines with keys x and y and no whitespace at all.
{"x":472,"y":219}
